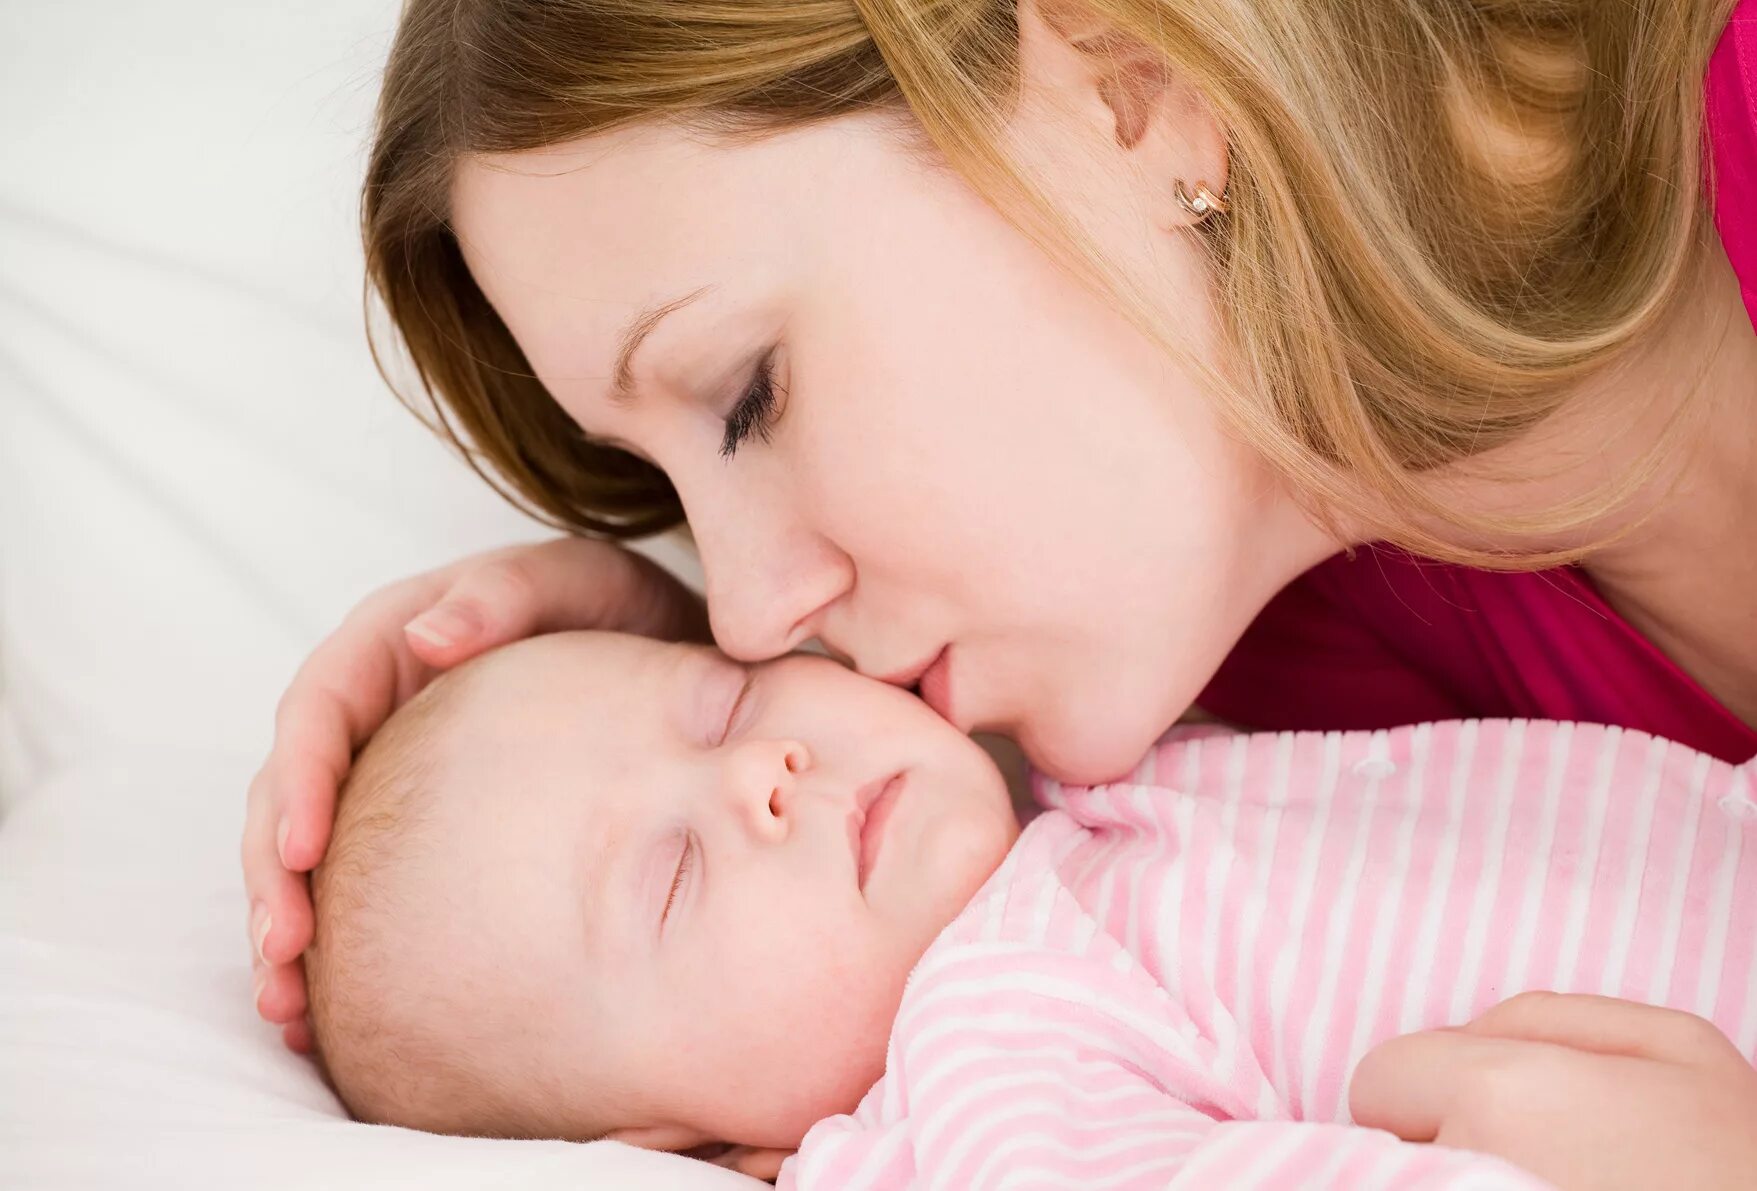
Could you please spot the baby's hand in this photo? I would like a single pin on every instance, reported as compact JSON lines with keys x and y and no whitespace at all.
{"x":1587,"y":1092}
{"x":757,"y":1163}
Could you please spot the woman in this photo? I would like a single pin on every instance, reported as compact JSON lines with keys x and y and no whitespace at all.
{"x":1025,"y":356}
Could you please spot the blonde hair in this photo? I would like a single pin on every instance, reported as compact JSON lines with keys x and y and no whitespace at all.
{"x":1444,"y":216}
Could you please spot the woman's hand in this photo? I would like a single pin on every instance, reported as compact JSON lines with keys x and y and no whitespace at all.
{"x":387,"y":649}
{"x":1587,"y":1092}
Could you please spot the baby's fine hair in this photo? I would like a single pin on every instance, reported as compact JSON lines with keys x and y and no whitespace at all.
{"x":387,"y":1047}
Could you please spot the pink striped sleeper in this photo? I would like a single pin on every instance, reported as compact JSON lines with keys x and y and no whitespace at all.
{"x":1171,"y":977}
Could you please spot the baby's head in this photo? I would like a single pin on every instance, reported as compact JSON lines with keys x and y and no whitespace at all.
{"x":594,"y":885}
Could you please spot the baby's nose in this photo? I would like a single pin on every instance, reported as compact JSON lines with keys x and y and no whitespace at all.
{"x":761,"y":780}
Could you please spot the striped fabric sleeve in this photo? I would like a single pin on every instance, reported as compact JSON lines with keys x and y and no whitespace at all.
{"x":1027,"y":1071}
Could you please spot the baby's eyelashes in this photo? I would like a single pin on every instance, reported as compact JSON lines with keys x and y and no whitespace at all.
{"x":684,"y":864}
{"x":736,"y":714}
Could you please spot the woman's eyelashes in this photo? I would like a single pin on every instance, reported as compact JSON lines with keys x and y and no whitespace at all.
{"x":754,"y":413}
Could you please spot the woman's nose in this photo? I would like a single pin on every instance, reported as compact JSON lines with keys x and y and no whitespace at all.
{"x":760,"y":780}
{"x":768,"y":578}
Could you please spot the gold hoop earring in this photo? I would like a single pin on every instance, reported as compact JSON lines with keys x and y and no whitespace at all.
{"x":1205,"y":202}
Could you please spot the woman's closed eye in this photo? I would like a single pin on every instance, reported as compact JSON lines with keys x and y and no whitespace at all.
{"x":755,"y":412}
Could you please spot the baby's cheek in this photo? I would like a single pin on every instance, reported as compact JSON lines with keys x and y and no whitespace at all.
{"x":847,"y":974}
{"x":813,"y":1015}
{"x":957,"y":856}
{"x":847,"y":1027}
{"x":835,"y":969}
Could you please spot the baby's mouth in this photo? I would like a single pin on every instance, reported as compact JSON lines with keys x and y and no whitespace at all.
{"x":873,"y":804}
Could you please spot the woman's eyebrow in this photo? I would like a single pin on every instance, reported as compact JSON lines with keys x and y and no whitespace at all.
{"x":622,"y":391}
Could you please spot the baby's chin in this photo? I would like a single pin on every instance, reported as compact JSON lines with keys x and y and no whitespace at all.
{"x":948,"y":865}
{"x":820,"y":1071}
{"x":964,"y":859}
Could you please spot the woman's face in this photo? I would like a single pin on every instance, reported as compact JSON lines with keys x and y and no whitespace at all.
{"x":967,"y":457}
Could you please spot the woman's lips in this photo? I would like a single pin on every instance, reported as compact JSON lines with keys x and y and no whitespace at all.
{"x":936,"y":685}
{"x":872,"y":811}
{"x":911,"y":676}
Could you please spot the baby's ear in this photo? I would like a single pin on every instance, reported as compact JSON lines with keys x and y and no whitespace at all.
{"x":757,"y":1163}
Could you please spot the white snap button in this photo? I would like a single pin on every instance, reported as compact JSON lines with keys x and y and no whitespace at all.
{"x":1738,"y":806}
{"x":1375,"y":768}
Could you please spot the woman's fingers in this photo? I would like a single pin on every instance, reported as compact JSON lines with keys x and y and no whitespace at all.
{"x":345,"y":689}
{"x":297,"y":1036}
{"x":338,"y":698}
{"x":449,"y":633}
{"x":342,"y":694}
{"x":285,"y":832}
{"x":568,"y":583}
{"x":310,"y":758}
{"x":280,"y":992}
{"x":278,"y":917}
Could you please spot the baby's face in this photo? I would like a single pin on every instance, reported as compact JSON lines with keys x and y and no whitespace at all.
{"x":686,"y":893}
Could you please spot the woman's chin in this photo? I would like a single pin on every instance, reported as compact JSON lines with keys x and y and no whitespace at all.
{"x":1086,"y":748}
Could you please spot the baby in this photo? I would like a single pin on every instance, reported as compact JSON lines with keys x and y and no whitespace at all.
{"x":597,"y":886}
{"x":594,"y":885}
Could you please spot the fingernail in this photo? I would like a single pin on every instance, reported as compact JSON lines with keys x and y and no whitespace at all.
{"x":281,"y":841}
{"x":442,"y":626}
{"x":258,"y":982}
{"x":260,"y":922}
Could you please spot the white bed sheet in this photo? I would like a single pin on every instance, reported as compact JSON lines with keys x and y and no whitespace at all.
{"x":129,"y":1055}
{"x":200,"y":471}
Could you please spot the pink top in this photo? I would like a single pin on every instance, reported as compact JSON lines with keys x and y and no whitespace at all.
{"x":1171,"y":978}
{"x":1387,"y":639}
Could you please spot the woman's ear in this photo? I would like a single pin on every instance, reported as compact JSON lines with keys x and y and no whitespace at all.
{"x":1127,"y":100}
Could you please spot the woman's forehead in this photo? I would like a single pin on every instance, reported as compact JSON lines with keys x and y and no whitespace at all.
{"x":571,"y":243}
{"x":594,"y":230}
{"x":635,"y":199}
